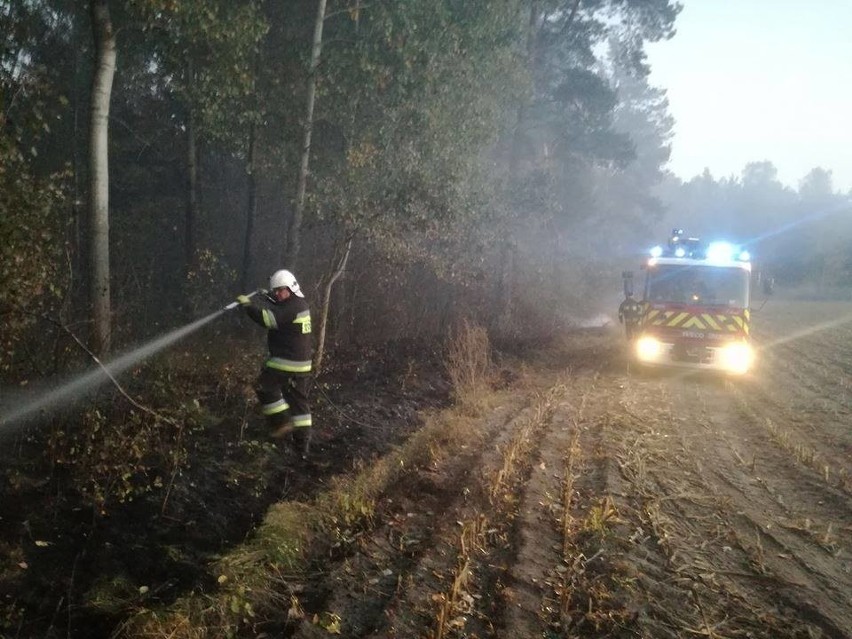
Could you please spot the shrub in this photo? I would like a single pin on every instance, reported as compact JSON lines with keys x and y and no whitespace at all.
{"x":33,"y":274}
{"x":468,"y":365}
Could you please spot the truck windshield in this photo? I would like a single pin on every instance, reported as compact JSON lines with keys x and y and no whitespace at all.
{"x":697,"y":284}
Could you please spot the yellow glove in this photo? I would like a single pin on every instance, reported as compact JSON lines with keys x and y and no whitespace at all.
{"x":244,"y":300}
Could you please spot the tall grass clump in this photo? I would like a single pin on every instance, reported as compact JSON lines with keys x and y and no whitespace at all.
{"x":469,"y":365}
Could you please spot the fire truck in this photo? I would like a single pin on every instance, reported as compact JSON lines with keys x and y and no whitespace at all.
{"x":695,"y":307}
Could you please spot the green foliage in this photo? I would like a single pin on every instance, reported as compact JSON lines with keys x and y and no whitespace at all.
{"x":566,"y":136}
{"x":207,"y":52}
{"x":12,"y":615}
{"x":118,"y":456}
{"x":578,"y":173}
{"x":113,"y":595}
{"x":417,"y":95}
{"x":33,"y":276}
{"x":441,"y":128}
{"x":211,"y":276}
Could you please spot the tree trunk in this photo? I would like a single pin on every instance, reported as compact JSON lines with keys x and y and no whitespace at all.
{"x":190,"y":243}
{"x":557,"y":277}
{"x":99,"y":291}
{"x":326,"y":302}
{"x":504,"y":292}
{"x":78,"y":212}
{"x":291,"y":252}
{"x":532,"y":37}
{"x":251,"y":209}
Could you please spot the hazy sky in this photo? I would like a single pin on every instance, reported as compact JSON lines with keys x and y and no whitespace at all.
{"x":752,"y":80}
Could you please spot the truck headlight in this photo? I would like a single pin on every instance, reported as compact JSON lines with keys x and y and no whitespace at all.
{"x":648,"y":348}
{"x":736,"y":357}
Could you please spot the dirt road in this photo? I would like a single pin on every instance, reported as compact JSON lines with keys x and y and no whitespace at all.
{"x":600,"y":503}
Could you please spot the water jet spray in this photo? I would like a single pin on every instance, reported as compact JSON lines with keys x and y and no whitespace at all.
{"x":25,"y":406}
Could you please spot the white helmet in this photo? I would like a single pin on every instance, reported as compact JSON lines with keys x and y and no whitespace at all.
{"x":283,"y":278}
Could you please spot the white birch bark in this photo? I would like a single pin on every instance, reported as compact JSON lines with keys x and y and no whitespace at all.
{"x":99,"y":270}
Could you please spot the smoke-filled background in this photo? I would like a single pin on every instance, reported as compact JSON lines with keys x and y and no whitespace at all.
{"x":497,"y":160}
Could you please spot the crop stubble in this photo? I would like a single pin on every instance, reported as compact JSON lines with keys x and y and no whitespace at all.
{"x":620,"y":505}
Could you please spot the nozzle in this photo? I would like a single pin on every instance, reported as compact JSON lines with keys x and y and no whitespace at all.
{"x":235,"y":304}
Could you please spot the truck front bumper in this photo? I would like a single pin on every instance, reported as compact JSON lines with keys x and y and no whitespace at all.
{"x":734,"y":357}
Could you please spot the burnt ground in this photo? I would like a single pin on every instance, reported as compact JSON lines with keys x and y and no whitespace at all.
{"x":598,"y":502}
{"x":68,"y":570}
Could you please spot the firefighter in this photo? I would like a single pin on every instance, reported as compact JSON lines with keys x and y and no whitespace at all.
{"x":284,"y":381}
{"x":629,"y":314}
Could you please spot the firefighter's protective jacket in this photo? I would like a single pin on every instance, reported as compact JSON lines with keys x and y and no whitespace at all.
{"x":289,"y":338}
{"x":630,"y":311}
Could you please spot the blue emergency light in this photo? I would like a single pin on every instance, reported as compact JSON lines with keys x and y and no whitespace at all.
{"x":692,"y":247}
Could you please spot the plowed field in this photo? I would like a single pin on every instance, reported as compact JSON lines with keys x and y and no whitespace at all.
{"x":600,"y":503}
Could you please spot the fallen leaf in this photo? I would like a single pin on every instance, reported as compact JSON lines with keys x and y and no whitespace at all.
{"x":329,"y":621}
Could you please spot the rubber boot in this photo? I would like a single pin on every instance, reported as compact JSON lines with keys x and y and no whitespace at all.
{"x":280,"y":427}
{"x":302,"y":441}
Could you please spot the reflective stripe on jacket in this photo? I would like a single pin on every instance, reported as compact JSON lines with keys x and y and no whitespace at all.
{"x":289,"y":336}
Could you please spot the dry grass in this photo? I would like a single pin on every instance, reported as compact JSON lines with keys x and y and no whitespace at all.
{"x":806,"y":455}
{"x":571,"y":460}
{"x":474,"y":537}
{"x":458,"y":600}
{"x":602,"y":516}
{"x":468,"y":366}
{"x":517,"y":450}
{"x":586,"y":597}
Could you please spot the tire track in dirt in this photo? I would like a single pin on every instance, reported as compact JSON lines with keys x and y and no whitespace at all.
{"x":382,"y":586}
{"x":437,"y":560}
{"x":813,"y":422}
{"x":673,"y":527}
{"x":802,"y":523}
{"x":471,"y":585}
{"x":809,"y":382}
{"x":558,"y":480}
{"x":780,"y":494}
{"x":731,"y":505}
{"x":528,"y":595}
{"x":806,"y":368}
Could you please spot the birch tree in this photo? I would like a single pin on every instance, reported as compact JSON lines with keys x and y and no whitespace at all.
{"x":294,"y":228}
{"x":99,"y":271}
